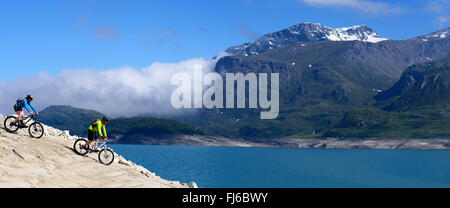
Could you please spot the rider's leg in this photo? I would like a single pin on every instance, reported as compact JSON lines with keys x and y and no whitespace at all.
{"x":95,"y":144}
{"x":91,"y":137}
{"x":19,"y":119}
{"x":20,"y":115}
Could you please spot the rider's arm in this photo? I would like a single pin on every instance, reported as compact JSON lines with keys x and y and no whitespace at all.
{"x":104,"y":131}
{"x":99,"y":125}
{"x":32,"y":107}
{"x":26,"y":105}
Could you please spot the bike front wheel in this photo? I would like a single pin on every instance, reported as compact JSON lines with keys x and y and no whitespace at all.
{"x":106,"y":156}
{"x":10,"y":124}
{"x":77,"y":147}
{"x":36,"y":130}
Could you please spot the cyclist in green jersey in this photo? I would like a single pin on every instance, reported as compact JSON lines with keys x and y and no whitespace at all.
{"x":97,"y":126}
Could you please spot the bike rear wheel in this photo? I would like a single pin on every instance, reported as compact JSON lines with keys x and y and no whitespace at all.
{"x":36,"y":130}
{"x":77,"y":147}
{"x":9,"y":124}
{"x":106,"y":156}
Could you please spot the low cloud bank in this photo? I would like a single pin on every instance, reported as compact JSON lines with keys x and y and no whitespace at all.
{"x":117,"y":92}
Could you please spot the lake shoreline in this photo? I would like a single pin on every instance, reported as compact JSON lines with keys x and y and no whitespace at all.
{"x":316,"y":143}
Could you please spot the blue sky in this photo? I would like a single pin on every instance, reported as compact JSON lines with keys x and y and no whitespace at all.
{"x":53,"y":35}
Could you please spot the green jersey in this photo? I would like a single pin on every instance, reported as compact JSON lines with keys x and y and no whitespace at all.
{"x":98,"y":126}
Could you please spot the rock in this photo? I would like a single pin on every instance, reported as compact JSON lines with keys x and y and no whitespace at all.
{"x":65,"y":134}
{"x":54,"y":132}
{"x":192,"y":184}
{"x":144,"y":171}
{"x":46,"y":130}
{"x":3,"y":133}
{"x":320,"y":146}
{"x":123,"y":161}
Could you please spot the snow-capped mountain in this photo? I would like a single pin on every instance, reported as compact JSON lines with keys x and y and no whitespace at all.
{"x":306,"y":32}
{"x":440,"y":34}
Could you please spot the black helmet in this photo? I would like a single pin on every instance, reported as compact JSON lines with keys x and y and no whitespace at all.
{"x":105,"y":118}
{"x":29,"y":97}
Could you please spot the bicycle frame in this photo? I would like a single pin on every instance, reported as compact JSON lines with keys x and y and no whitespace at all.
{"x":104,"y":151}
{"x":27,"y":119}
{"x":100,"y":144}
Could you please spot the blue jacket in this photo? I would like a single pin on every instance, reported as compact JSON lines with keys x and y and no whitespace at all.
{"x":25,"y":103}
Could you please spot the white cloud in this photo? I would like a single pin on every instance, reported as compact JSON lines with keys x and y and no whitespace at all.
{"x":372,"y":7}
{"x":106,"y":33}
{"x":440,"y":8}
{"x":117,"y":92}
{"x":437,"y":6}
{"x":442,"y":21}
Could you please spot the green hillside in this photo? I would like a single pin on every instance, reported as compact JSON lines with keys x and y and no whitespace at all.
{"x":68,"y":118}
{"x":148,"y":125}
{"x":78,"y":120}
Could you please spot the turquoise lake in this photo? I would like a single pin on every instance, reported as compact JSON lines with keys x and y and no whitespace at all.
{"x":254,"y":167}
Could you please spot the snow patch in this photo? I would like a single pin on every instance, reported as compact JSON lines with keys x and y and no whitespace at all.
{"x":351,"y":34}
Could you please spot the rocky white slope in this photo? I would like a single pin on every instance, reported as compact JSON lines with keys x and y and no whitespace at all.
{"x":50,"y":162}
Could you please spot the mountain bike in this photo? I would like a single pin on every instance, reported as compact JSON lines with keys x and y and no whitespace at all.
{"x":36,"y":129}
{"x":105,"y":155}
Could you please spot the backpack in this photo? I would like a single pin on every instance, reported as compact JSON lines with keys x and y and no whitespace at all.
{"x":93,"y":123}
{"x":18,"y":101}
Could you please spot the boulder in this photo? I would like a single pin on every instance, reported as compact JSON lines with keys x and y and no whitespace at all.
{"x":320,"y":146}
{"x":144,"y":171}
{"x":46,"y":130}
{"x":65,"y":134}
{"x":54,"y":132}
{"x":192,"y":184}
{"x":2,"y":119}
{"x":123,"y":161}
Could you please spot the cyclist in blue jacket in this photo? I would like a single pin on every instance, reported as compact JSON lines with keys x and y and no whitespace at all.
{"x":18,"y":108}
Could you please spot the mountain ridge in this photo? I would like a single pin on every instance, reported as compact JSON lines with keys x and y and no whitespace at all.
{"x":321,"y":81}
{"x":305,"y":32}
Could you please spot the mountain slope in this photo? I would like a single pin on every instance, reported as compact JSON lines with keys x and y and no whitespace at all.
{"x":346,"y":72}
{"x":421,"y":85}
{"x":320,"y":81}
